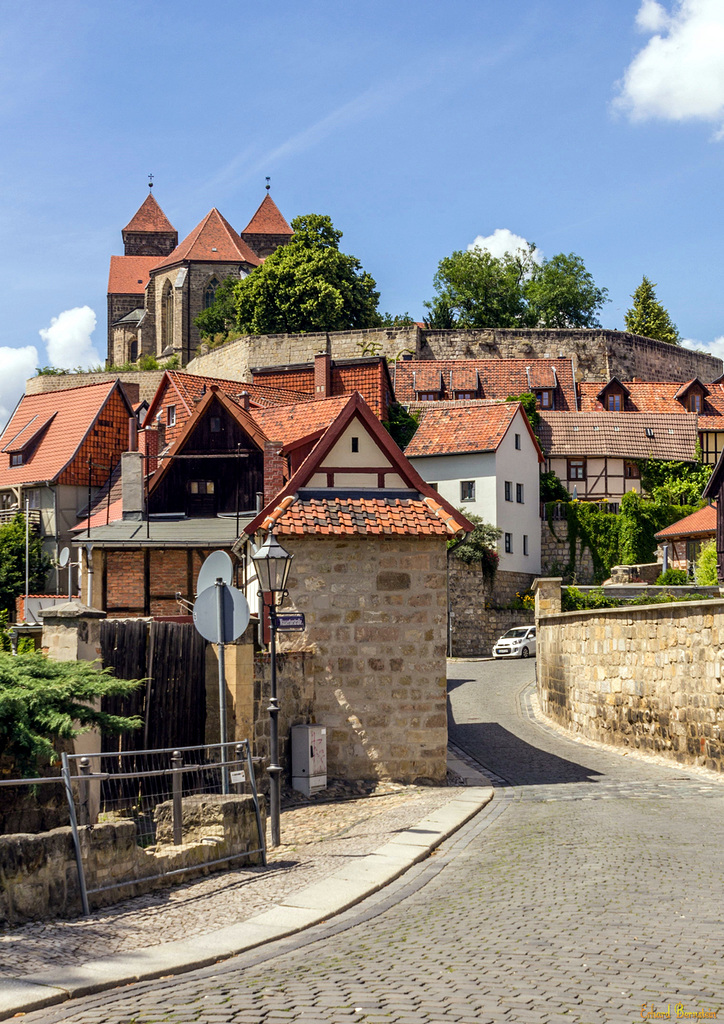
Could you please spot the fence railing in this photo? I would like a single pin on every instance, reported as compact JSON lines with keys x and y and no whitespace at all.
{"x":559,"y":510}
{"x":132,"y":785}
{"x":7,"y":515}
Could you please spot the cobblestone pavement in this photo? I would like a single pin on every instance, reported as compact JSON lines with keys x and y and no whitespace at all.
{"x":317,"y":839}
{"x":589,"y":890}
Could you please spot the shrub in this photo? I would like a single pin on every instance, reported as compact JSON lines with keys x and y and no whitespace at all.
{"x":673,"y":578}
{"x":706,"y":566}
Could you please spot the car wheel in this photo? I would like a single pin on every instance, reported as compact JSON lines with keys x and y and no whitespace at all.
{"x":524,"y":653}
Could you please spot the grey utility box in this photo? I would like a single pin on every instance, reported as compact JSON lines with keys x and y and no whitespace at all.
{"x":309,"y":758}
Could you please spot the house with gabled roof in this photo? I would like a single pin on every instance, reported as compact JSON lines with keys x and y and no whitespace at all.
{"x":686,"y":537}
{"x":595,"y":455}
{"x":369,"y":539}
{"x":485,"y":460}
{"x":56,"y":448}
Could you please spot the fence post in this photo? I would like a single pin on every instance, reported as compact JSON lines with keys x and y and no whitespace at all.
{"x":74,"y":831}
{"x":84,"y":791}
{"x":177,"y":762}
{"x":255,"y":795}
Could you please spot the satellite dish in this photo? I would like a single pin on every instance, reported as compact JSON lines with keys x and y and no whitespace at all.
{"x":63,"y":557}
{"x":234,"y":614}
{"x":217,"y":566}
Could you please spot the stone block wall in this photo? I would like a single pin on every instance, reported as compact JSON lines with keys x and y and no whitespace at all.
{"x":647,"y":677}
{"x":375,"y":612}
{"x":38,"y":874}
{"x":478,"y":616}
{"x":556,"y":552}
{"x":596,"y":354}
{"x":139,"y":385}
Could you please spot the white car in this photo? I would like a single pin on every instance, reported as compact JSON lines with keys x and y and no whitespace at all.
{"x":516,"y":643}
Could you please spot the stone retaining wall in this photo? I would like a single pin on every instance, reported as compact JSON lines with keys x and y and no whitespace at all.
{"x":648,"y":677}
{"x":38,"y":873}
{"x":140,"y":385}
{"x":555,"y":553}
{"x":476,"y":616}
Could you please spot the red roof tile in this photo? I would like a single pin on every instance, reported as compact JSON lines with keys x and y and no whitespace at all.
{"x":129,"y":274}
{"x":290,"y":423}
{"x":458,"y":429}
{"x":367,"y":375}
{"x":498,"y":378}
{"x":150,"y":217}
{"x":71,"y":414}
{"x":212,"y":241}
{"x":363,"y":516}
{"x":267,"y":220}
{"x":698,"y":524}
{"x":652,"y":396}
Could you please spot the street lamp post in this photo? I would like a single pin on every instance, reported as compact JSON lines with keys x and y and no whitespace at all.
{"x":272,"y":564}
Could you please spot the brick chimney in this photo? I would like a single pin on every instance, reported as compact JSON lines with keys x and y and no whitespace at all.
{"x":132,"y":485}
{"x":275,"y":466}
{"x":148,"y":446}
{"x":322,"y":375}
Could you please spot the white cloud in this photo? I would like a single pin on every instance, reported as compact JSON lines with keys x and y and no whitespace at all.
{"x":712,"y":348}
{"x":501,"y":241}
{"x":68,"y":339}
{"x":16,"y":364}
{"x":652,"y":17}
{"x":679,"y":74}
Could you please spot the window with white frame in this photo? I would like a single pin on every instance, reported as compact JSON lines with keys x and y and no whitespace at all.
{"x":171,"y":415}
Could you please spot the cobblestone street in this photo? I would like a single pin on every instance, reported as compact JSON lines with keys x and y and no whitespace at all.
{"x":589,"y":890}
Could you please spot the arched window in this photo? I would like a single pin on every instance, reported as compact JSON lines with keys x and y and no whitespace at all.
{"x":133,"y":351}
{"x":167,"y":316}
{"x":210,"y":291}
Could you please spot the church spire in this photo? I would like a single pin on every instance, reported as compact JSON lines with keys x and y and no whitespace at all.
{"x":149,"y":232}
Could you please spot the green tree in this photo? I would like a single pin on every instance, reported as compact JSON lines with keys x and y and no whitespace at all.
{"x":648,"y":317}
{"x":478,"y":290}
{"x":308,"y":285}
{"x":220,"y":316}
{"x":43,"y":701}
{"x":674,"y":483}
{"x":401,"y":424}
{"x":12,"y":562}
{"x":479,"y":547}
{"x":706,"y":565}
{"x":396,"y":320}
{"x":562,"y":293}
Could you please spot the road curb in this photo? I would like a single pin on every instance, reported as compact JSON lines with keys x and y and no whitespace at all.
{"x":300,"y":910}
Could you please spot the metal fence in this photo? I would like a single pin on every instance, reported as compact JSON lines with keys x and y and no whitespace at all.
{"x":132,"y":784}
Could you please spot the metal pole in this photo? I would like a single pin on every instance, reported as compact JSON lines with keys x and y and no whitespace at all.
{"x":255,"y":796}
{"x":27,"y":556}
{"x":274,"y":767}
{"x":177,"y":763}
{"x":76,"y":837}
{"x":84,"y":790}
{"x":220,"y":588}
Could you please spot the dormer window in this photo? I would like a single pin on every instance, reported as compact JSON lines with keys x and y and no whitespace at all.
{"x":614,"y":401}
{"x":428,"y":396}
{"x":695,"y":402}
{"x":16,"y":459}
{"x":545,"y":399}
{"x":460,"y":395}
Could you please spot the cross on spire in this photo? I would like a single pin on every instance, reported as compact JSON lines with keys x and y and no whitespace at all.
{"x":268,"y":186}
{"x":150,"y":181}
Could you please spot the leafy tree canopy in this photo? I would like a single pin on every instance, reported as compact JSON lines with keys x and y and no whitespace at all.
{"x":648,"y":317}
{"x":674,"y":483}
{"x":396,"y":320}
{"x":401,"y":424}
{"x":43,"y":701}
{"x":220,"y":316}
{"x":479,"y":548}
{"x":12,"y":562}
{"x":478,"y":290}
{"x":308,"y":285}
{"x":706,"y":565}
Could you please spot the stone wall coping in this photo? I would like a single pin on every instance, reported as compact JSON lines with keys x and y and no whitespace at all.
{"x":71,"y":610}
{"x":541,"y":580}
{"x":627,"y":610}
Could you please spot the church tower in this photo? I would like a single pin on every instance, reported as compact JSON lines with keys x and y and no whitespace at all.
{"x":149,"y":232}
{"x":267,"y":229}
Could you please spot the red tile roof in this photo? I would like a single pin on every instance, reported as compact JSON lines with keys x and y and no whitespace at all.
{"x":129,"y":274}
{"x":267,"y":220}
{"x":454,"y":430}
{"x":698,"y":524}
{"x":619,"y":435}
{"x":212,"y":241}
{"x":150,"y":217}
{"x":367,"y":375}
{"x":652,"y":396}
{"x":291,"y":423}
{"x":363,"y":516}
{"x":498,"y":378}
{"x":71,"y":413}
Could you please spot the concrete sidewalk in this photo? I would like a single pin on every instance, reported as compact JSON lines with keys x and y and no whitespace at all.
{"x":299,"y":909}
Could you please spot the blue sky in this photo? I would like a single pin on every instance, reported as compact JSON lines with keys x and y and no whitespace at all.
{"x":418,"y":127}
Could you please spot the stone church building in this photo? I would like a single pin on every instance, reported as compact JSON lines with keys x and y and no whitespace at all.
{"x":159,"y":286}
